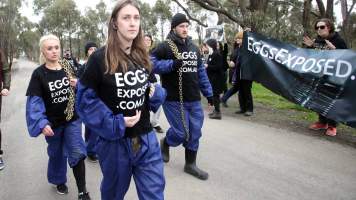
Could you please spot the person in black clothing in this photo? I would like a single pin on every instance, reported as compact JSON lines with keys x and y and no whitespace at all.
{"x":89,"y":136}
{"x":89,"y":48}
{"x":155,"y":79}
{"x":114,"y":100}
{"x":5,"y":80}
{"x":50,"y":112}
{"x":234,"y":69}
{"x":215,"y":71}
{"x":327,"y":39}
{"x":72,"y":61}
{"x":245,"y":94}
{"x":183,"y":75}
{"x":224,"y":51}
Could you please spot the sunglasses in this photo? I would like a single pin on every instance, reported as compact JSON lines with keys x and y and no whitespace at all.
{"x":322,"y":27}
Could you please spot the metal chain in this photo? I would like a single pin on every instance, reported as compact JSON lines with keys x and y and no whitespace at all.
{"x":176,"y":54}
{"x":69,"y":111}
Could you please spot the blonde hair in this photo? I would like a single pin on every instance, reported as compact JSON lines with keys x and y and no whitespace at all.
{"x":115,"y":58}
{"x":41,"y":43}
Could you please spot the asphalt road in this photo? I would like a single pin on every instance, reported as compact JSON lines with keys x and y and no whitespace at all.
{"x":246,"y":161}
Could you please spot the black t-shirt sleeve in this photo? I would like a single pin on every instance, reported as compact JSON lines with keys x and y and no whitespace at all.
{"x":92,"y":74}
{"x":34,"y":87}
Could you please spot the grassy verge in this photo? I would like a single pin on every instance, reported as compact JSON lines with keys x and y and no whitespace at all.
{"x":267,"y":98}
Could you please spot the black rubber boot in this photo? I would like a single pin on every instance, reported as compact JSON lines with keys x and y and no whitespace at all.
{"x":190,"y":166}
{"x":164,"y":150}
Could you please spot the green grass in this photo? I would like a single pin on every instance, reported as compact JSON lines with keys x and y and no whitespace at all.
{"x":266,"y":97}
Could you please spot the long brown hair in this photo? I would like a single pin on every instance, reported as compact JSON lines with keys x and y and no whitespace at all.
{"x":115,"y":57}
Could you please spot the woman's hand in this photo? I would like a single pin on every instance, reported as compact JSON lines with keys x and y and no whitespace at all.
{"x":4,"y":92}
{"x":47,"y":131}
{"x":330,"y":45}
{"x":73,"y":82}
{"x":131,"y":121}
{"x":231,"y":64}
{"x":307,"y":41}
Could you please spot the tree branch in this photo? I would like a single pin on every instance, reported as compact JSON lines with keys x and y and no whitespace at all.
{"x":207,"y":5}
{"x":188,"y":15}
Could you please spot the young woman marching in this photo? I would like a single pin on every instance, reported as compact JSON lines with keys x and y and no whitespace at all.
{"x":50,"y":112}
{"x":114,"y":100}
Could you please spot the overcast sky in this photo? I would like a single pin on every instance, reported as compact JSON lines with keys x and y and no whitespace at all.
{"x":27,"y":10}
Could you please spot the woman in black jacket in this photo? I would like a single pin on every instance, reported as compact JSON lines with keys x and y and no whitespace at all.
{"x":5,"y":79}
{"x":327,"y":39}
{"x":215,"y":71}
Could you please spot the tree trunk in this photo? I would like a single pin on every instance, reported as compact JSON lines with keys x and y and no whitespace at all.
{"x":330,"y":9}
{"x":321,"y":7}
{"x":306,"y":16}
{"x":162,"y":31}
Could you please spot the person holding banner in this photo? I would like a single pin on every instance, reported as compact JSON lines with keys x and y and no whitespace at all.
{"x":234,"y":74}
{"x":183,"y":75}
{"x":327,"y":39}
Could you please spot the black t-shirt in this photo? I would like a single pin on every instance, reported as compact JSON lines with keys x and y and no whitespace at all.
{"x":122,"y":93}
{"x":53,"y":87}
{"x":191,"y":61}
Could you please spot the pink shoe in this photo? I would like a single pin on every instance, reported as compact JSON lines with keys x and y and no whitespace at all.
{"x":318,"y":126}
{"x":331,"y":131}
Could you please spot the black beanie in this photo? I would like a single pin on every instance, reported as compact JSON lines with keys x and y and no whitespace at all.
{"x":178,"y":19}
{"x":88,"y":45}
{"x":212,"y":43}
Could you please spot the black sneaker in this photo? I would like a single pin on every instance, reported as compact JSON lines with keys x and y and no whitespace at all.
{"x":240,"y":112}
{"x":93,"y":158}
{"x":248,"y":113}
{"x":159,"y":129}
{"x":2,"y":165}
{"x":84,"y":196}
{"x":62,"y":189}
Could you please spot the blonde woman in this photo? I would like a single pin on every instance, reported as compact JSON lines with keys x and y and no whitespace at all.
{"x":50,"y":112}
{"x":114,"y":100}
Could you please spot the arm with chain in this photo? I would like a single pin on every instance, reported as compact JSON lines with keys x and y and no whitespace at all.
{"x":161,"y":65}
